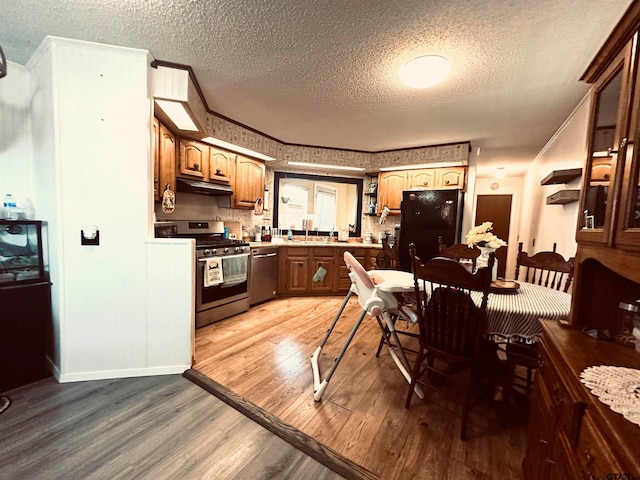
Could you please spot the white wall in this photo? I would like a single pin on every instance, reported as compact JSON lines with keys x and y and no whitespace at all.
{"x":125,"y":307}
{"x":15,"y":143}
{"x":549,"y":224}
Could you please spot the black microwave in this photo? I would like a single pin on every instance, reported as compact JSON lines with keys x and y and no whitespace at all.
{"x":165,"y":229}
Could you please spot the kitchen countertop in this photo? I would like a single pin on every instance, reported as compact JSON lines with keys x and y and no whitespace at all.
{"x":315,"y":243}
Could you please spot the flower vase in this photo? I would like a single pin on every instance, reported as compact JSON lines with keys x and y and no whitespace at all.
{"x":483,"y":260}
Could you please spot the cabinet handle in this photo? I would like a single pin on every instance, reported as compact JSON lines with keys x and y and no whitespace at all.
{"x":540,"y":361}
{"x":543,"y":441}
{"x":548,"y":460}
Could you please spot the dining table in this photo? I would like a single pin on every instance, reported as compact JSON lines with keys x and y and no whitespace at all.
{"x":514,"y":308}
{"x":514,"y":311}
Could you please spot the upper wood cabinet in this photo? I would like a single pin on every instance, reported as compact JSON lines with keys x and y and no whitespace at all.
{"x":221,"y":165}
{"x":194,"y":159}
{"x":248,"y":184}
{"x":422,"y":178}
{"x":164,"y":159}
{"x":390,"y":188}
{"x":392,"y":184}
{"x":451,"y":177}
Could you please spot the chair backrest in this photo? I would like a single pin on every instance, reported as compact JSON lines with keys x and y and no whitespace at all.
{"x":459,"y":251}
{"x":548,"y":269}
{"x":451,"y":323}
{"x":371,"y":299}
{"x":387,"y":259}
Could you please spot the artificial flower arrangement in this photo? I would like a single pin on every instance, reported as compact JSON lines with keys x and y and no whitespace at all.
{"x":481,"y":236}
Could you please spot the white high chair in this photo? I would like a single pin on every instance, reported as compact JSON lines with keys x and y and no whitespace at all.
{"x":376,"y":297}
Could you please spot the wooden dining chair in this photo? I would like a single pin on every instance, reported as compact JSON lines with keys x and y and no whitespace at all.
{"x":459,"y":251}
{"x":387,"y":259}
{"x":548,"y":269}
{"x":451,"y":331}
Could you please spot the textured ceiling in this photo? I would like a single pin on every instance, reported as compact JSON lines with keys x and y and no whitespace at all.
{"x":325,"y":72}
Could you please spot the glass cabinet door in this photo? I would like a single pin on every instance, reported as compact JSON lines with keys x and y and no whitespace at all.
{"x":628,"y":223}
{"x":607,"y":136}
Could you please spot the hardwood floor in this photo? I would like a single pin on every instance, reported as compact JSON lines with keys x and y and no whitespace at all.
{"x":163,"y":427}
{"x":264,"y":356}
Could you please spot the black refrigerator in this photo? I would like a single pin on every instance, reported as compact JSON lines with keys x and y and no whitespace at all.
{"x":425,"y":215}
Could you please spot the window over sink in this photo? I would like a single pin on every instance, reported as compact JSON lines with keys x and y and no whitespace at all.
{"x":321,"y":204}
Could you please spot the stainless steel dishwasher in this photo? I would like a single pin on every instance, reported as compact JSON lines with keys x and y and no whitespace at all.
{"x":263,"y":274}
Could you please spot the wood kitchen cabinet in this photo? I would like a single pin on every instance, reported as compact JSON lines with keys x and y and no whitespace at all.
{"x":193,"y":161}
{"x":322,"y":257}
{"x":422,"y":178}
{"x":390,"y":188}
{"x":451,"y":177}
{"x":572,"y":434}
{"x":392,"y":184}
{"x":164,"y":159}
{"x":248,"y":183}
{"x":221,"y":165}
{"x":293,"y":270}
{"x":298,"y":265}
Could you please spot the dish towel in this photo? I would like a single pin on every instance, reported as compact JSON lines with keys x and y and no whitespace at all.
{"x":235,"y":269}
{"x":213,"y":272}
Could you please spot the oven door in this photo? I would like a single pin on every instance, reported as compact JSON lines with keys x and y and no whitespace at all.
{"x":234,"y":286}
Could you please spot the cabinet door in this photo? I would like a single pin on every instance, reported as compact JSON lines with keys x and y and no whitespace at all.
{"x":451,"y":177}
{"x":248,"y":182}
{"x":167,"y":160}
{"x":628,"y":224}
{"x":221,"y":165}
{"x":540,"y":433}
{"x":609,"y":123}
{"x":194,"y":159}
{"x":390,"y":188}
{"x":422,"y":178}
{"x":322,"y":257}
{"x":297,"y":274}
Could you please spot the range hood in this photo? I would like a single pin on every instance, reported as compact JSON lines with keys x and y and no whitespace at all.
{"x":203,"y":188}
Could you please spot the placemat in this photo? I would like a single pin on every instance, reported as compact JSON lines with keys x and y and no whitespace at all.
{"x":617,"y":387}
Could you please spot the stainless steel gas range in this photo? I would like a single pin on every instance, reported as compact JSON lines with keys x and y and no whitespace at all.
{"x":221,"y":267}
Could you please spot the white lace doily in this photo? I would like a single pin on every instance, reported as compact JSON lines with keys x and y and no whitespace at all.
{"x":618,"y":387}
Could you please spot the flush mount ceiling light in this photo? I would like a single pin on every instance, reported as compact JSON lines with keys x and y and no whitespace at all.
{"x":423,"y":72}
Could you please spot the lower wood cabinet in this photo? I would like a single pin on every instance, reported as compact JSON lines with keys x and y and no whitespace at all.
{"x":300,"y":273}
{"x":572,"y":434}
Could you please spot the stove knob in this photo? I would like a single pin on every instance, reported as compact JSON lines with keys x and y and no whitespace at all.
{"x":206,"y":252}
{"x":238,"y":249}
{"x":226,"y":249}
{"x":214,"y":251}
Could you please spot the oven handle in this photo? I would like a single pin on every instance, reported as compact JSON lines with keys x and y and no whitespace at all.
{"x":228,"y":256}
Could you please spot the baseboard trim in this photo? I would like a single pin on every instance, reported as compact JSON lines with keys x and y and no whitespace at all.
{"x":303,"y":442}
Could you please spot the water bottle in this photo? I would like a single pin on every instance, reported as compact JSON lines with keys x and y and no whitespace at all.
{"x":9,"y":208}
{"x":289,"y":235}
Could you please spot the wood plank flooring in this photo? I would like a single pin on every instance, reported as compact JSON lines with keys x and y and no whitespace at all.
{"x":264,"y":356}
{"x":163,"y":427}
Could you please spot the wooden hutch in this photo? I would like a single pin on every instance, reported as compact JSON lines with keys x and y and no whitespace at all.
{"x":571,"y":433}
